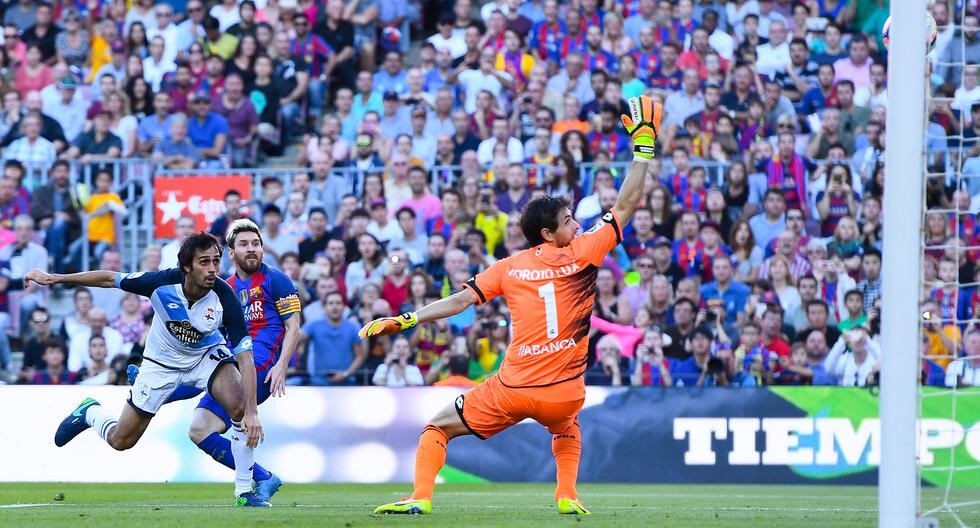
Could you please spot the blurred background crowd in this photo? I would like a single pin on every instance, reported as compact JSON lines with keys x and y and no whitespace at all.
{"x":410,"y":134}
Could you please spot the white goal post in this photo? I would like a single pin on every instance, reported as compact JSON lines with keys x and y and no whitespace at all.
{"x":898,"y":498}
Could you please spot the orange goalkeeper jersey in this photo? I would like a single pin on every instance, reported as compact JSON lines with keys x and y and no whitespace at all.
{"x":550,"y":292}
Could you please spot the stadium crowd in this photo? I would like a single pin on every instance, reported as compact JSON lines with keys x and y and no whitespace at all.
{"x":755,"y":259}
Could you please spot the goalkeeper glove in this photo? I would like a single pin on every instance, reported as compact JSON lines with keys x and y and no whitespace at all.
{"x":643,"y":125}
{"x":389,"y":325}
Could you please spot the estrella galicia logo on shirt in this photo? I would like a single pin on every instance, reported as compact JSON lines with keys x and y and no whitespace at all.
{"x":184,"y":332}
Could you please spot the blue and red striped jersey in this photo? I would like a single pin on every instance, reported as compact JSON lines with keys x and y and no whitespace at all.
{"x":268,"y":298}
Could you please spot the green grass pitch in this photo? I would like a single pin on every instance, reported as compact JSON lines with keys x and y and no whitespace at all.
{"x":457,"y":506}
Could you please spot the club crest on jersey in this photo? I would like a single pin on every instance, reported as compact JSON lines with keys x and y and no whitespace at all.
{"x":184,"y":332}
{"x":209,"y":315}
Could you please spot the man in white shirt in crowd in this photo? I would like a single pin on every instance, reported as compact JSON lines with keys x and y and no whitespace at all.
{"x":183,"y":228}
{"x":500,"y":134}
{"x":98,"y":325}
{"x":965,"y":371}
{"x":774,"y":55}
{"x":488,"y":78}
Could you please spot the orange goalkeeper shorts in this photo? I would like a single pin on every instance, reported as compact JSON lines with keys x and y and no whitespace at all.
{"x":492,"y":407}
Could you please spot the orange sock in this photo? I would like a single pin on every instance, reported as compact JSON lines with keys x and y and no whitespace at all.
{"x":567,"y":447}
{"x":429,"y":459}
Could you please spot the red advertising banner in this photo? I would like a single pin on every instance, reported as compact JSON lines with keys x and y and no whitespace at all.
{"x":201,"y":196}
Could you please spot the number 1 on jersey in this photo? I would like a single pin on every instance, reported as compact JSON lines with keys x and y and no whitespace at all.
{"x":547,"y":292}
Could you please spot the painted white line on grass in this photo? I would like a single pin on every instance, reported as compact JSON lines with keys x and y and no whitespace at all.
{"x":39,"y":505}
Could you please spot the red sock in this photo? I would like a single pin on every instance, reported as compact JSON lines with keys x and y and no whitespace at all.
{"x":567,"y":447}
{"x":429,"y":459}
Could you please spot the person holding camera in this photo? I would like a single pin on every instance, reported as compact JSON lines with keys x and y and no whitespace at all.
{"x":854,"y":360}
{"x":396,"y":371}
{"x":489,"y":218}
{"x":650,"y":367}
{"x":694,"y":370}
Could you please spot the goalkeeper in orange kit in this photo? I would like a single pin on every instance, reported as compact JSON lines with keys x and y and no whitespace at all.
{"x":541,"y":376}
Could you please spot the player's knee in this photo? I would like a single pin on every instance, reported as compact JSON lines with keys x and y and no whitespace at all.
{"x":198,"y":432}
{"x":236,"y":409}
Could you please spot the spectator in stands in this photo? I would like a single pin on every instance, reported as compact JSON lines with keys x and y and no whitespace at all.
{"x":55,"y":371}
{"x":319,"y":60}
{"x":39,"y":333}
{"x":318,"y":237}
{"x":156,"y":128}
{"x":771,"y":325}
{"x":692,"y":371}
{"x":130,"y":322}
{"x":104,"y":210}
{"x":215,"y":41}
{"x":97,"y":372}
{"x":99,"y":143}
{"x":275,"y":241}
{"x":20,"y":257}
{"x":233,"y":211}
{"x":870,"y":285}
{"x":109,"y":299}
{"x":69,"y":109}
{"x":78,"y":356}
{"x":818,"y":317}
{"x":56,"y":207}
{"x":396,"y":371}
{"x":207,"y":129}
{"x":335,"y":352}
{"x":243,"y":121}
{"x":175,"y":150}
{"x":731,"y":292}
{"x":183,"y":228}
{"x":965,"y":371}
{"x":31,"y":149}
{"x":769,"y":223}
{"x":327,"y":187}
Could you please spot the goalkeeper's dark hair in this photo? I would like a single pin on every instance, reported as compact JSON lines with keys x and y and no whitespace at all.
{"x":200,"y":241}
{"x":542,"y":213}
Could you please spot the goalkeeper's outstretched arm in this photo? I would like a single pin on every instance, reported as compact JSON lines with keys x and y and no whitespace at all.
{"x":440,"y":309}
{"x":643,"y":125}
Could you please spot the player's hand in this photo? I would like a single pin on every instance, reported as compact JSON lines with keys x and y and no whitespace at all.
{"x":253,"y":430}
{"x":276,"y":378}
{"x":40,"y":277}
{"x":388,"y":325}
{"x":643,"y":125}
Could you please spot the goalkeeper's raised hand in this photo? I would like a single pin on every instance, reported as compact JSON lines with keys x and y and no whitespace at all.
{"x":643,"y":125}
{"x":388,"y":325}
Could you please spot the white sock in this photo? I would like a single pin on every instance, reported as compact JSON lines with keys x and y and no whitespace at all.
{"x":100,"y":421}
{"x":244,"y":459}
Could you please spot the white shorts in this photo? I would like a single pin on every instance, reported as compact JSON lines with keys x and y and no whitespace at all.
{"x":155,"y":382}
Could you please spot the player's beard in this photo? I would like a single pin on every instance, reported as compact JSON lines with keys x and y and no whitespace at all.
{"x":247,"y":264}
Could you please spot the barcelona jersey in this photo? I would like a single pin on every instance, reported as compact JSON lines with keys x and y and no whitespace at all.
{"x":268,"y":298}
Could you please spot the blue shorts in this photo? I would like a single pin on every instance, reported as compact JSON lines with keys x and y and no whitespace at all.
{"x":209,"y":403}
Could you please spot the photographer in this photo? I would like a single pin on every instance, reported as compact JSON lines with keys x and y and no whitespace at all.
{"x":650,"y":367}
{"x":488,"y":340}
{"x":395,"y":371}
{"x":489,"y":219}
{"x":854,"y":359}
{"x":694,"y":370}
{"x":608,"y":370}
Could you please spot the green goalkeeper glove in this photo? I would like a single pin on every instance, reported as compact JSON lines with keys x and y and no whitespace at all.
{"x":643,"y":125}
{"x":389,"y":325}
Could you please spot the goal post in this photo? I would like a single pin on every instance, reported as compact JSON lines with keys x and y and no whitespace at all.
{"x":903,"y":204}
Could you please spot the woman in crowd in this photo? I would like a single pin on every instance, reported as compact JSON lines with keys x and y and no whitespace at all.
{"x":608,"y":303}
{"x":746,"y":254}
{"x":664,"y":220}
{"x":123,"y":124}
{"x":136,"y":41}
{"x":130,"y":322}
{"x":783,"y":284}
{"x":396,"y":370}
{"x":370,"y":267}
